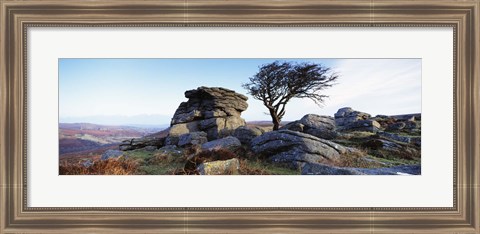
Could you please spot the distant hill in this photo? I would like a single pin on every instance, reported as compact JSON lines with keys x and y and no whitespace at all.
{"x":119,"y":120}
{"x":90,"y":126}
{"x":85,"y":137}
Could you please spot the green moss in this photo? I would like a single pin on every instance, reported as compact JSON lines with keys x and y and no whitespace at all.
{"x":159,"y":169}
{"x":392,"y":161}
{"x":157,"y":162}
{"x":252,"y":167}
{"x":140,"y":155}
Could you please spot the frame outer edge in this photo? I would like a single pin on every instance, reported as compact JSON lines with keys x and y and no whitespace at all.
{"x":3,"y":111}
{"x":9,"y":99}
{"x":476,"y":112}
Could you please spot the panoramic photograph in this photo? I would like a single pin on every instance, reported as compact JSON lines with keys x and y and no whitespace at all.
{"x":239,"y":116}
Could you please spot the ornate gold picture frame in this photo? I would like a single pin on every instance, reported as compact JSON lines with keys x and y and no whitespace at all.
{"x":17,"y":16}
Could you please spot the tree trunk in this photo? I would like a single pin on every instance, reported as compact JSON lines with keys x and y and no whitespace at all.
{"x":275,"y":119}
{"x":276,"y":122}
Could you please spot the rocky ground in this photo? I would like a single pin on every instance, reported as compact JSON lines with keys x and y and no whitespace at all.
{"x":207,"y":136}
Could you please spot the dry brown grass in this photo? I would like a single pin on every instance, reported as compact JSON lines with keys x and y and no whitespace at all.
{"x":99,"y":167}
{"x":356,"y":158}
{"x":247,"y":169}
{"x":199,"y":157}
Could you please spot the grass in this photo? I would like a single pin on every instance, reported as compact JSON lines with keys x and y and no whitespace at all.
{"x":258,"y":167}
{"x":396,"y":161}
{"x":158,"y":163}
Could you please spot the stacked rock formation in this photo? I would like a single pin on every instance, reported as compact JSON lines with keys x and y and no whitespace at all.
{"x":215,"y":111}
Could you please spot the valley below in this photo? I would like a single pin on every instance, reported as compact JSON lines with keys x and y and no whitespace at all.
{"x":86,"y":140}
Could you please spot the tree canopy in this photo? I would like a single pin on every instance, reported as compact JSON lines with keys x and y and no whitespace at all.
{"x":275,"y":84}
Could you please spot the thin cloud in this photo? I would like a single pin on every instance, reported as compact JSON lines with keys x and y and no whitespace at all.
{"x":377,"y":85}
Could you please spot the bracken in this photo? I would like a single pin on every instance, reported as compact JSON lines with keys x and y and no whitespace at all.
{"x":99,"y":167}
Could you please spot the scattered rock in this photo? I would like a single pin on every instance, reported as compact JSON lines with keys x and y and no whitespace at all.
{"x":138,"y":143}
{"x":192,"y":138}
{"x":322,"y":169}
{"x":396,"y":126}
{"x":290,"y":146}
{"x":410,"y":125}
{"x":376,"y":144}
{"x":347,"y":115}
{"x":111,"y":154}
{"x":363,"y":125}
{"x":227,"y":142}
{"x":408,"y":117}
{"x":87,"y":163}
{"x":226,"y":167}
{"x":215,"y":111}
{"x":245,"y":133}
{"x":396,"y":137}
{"x":399,"y":149}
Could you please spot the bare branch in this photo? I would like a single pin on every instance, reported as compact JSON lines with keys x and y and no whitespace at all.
{"x":275,"y":84}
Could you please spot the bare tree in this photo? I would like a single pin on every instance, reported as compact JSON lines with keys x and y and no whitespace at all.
{"x":277,"y":83}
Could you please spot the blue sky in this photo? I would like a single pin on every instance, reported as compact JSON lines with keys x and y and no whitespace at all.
{"x":148,"y":91}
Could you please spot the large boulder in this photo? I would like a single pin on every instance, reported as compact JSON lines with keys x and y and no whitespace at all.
{"x":137,"y":143}
{"x":286,"y":146}
{"x":245,"y":133}
{"x":225,"y":167}
{"x":316,"y":125}
{"x":215,"y":111}
{"x":347,"y":115}
{"x":227,"y":142}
